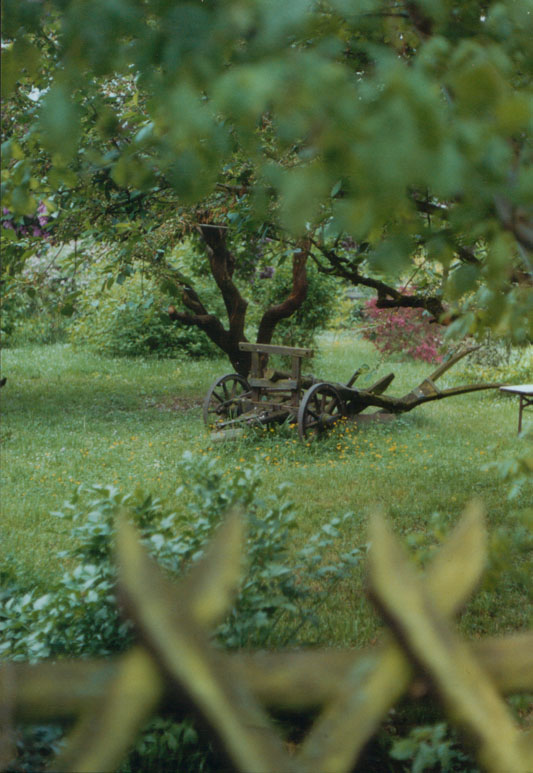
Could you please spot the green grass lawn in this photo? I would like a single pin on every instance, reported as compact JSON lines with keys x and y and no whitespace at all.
{"x":72,"y":416}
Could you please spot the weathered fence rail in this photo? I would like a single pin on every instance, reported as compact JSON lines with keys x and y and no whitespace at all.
{"x":352,"y":690}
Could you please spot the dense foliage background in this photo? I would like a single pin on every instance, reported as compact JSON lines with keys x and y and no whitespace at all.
{"x":377,"y":140}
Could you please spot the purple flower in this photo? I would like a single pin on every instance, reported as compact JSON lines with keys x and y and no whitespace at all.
{"x":42,"y":215}
{"x":267,"y":272}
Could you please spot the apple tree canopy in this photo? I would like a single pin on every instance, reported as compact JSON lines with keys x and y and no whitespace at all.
{"x":377,"y":137}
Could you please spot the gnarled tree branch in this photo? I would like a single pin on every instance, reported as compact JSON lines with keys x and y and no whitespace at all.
{"x":292,"y":303}
{"x":432,"y":304}
{"x":222,"y":264}
{"x":210,"y":324}
{"x":388,"y":297}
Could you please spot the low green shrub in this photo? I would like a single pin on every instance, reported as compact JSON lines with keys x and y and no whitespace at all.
{"x":44,"y":327}
{"x":35,"y":746}
{"x":277,"y":604}
{"x":169,"y":745}
{"x":430,"y":748}
{"x":349,"y":307}
{"x":78,"y":616}
{"x":281,"y":590}
{"x":497,"y":361}
{"x":30,"y":304}
{"x":131,"y":319}
{"x":516,"y":471}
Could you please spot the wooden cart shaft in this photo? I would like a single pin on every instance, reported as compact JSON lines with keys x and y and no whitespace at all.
{"x":277,"y":395}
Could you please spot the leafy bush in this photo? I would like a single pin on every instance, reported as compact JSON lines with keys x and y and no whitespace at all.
{"x":130,"y":319}
{"x":35,"y":298}
{"x":430,"y":748}
{"x":28,"y":326}
{"x":496,"y":361}
{"x":406,"y":332}
{"x":78,"y":616}
{"x":516,"y":471}
{"x":168,"y":745}
{"x":276,"y":605}
{"x":13,"y":310}
{"x":348,"y":312}
{"x":280,"y":589}
{"x":35,"y":745}
{"x":32,"y":303}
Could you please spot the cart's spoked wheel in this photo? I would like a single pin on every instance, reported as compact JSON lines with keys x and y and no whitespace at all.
{"x":223,"y":402}
{"x":321,"y":407}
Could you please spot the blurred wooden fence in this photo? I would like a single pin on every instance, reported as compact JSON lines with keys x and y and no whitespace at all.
{"x":351,"y":690}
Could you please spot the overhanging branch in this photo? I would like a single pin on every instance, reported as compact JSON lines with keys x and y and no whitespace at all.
{"x":388,"y":297}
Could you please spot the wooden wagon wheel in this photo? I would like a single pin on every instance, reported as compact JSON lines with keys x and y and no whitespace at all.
{"x":224,"y":400}
{"x":321,"y":407}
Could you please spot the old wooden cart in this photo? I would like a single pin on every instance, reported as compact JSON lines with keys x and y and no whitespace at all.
{"x":268,"y":396}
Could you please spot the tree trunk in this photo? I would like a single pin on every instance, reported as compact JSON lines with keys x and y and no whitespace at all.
{"x":222,"y":265}
{"x":286,"y":308}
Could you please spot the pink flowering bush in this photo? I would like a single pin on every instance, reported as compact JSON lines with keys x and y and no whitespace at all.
{"x":403,"y":331}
